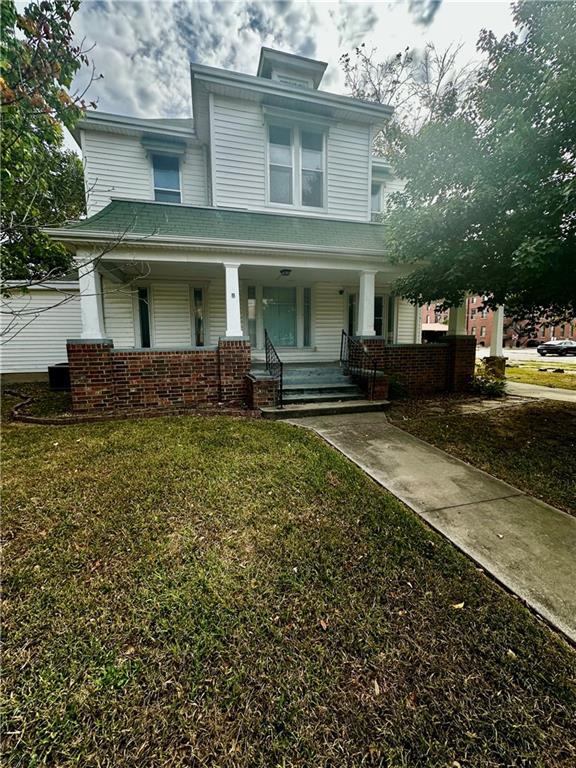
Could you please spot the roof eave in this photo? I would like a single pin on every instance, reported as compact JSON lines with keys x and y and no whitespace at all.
{"x":131,"y":125}
{"x":76,"y":238}
{"x":203,"y":73}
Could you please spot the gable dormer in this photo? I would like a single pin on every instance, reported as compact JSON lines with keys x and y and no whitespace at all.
{"x":289,"y":69}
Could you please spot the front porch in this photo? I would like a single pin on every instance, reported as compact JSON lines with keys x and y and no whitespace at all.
{"x":160,"y":304}
{"x":163,"y":333}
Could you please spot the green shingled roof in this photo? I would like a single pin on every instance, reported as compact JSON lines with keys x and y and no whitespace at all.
{"x":216,"y":224}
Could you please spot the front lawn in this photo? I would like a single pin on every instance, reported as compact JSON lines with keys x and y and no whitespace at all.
{"x":531,"y":446}
{"x":221,"y":592}
{"x":528,"y":373}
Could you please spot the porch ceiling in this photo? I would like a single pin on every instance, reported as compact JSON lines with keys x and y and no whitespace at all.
{"x":190,"y":271}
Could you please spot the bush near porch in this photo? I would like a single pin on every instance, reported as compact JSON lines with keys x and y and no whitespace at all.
{"x":220,"y":592}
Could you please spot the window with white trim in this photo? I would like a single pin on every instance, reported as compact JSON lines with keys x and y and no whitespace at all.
{"x":376,"y":198}
{"x":296,"y":166}
{"x":312,"y":146}
{"x":280,"y":156}
{"x":166,"y":170}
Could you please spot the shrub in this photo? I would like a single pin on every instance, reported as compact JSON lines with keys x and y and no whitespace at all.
{"x":486,"y":384}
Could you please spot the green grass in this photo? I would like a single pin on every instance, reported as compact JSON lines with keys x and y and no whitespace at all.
{"x":221,"y":592}
{"x":528,"y":373}
{"x":531,"y":446}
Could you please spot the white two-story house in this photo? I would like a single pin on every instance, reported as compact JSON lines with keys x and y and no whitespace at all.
{"x":254,"y":220}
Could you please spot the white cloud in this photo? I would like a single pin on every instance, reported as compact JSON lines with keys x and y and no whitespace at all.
{"x":143,"y":48}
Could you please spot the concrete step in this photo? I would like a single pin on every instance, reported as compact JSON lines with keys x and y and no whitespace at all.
{"x":301,"y":410}
{"x":296,"y":376}
{"x":321,"y":397}
{"x":318,"y":386}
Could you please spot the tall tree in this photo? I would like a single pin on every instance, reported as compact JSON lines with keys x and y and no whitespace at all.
{"x":489,"y":205}
{"x":421,"y":85}
{"x":42,"y":183}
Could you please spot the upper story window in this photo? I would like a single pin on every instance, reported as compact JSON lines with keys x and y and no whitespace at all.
{"x":281,"y":173}
{"x":299,"y":82}
{"x":296,"y":166}
{"x":312,"y":168}
{"x":376,"y":198}
{"x":166,"y":178}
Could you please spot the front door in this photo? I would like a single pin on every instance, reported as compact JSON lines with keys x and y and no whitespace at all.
{"x":279,"y":309}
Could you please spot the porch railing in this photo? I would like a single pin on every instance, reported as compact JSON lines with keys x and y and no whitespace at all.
{"x":274,"y":366}
{"x":358,"y":363}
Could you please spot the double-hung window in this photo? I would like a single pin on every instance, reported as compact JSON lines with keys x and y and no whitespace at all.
{"x":312,"y":146}
{"x":166,"y":178}
{"x":376,"y":198}
{"x":281,"y":175}
{"x":296,"y":166}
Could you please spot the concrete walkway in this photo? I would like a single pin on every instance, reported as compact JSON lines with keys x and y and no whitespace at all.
{"x":539,"y":392}
{"x":527,"y":545}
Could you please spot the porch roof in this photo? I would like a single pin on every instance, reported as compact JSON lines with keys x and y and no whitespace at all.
{"x":164,"y":222}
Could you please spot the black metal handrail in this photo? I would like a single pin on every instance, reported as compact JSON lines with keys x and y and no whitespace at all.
{"x":274,"y":366}
{"x":358,"y":363}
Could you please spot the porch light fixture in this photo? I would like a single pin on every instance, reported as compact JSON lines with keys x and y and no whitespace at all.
{"x":285,"y":272}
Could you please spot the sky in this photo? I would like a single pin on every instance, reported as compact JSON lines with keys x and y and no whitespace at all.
{"x":142,"y":48}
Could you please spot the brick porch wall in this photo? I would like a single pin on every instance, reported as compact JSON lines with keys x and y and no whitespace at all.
{"x":427,"y":368}
{"x":105,"y":379}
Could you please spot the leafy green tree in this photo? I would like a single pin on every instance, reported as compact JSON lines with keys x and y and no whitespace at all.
{"x":42,"y":184}
{"x":489,"y":205}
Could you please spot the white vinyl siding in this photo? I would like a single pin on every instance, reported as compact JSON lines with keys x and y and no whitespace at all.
{"x":118,"y":310}
{"x":171,"y":318}
{"x":239,"y":139}
{"x":119,"y":166}
{"x":216,"y":312}
{"x":194,"y":177}
{"x":238,"y":153}
{"x":30,"y":347}
{"x":406,"y":328}
{"x":327,"y":319}
{"x":348,"y":171}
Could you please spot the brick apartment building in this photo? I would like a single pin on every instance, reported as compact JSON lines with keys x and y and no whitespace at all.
{"x":480,"y":321}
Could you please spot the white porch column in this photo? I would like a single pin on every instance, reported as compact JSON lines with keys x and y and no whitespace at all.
{"x":457,"y":320}
{"x":497,"y":332}
{"x":233,"y":317}
{"x":366,"y":303}
{"x":90,"y":289}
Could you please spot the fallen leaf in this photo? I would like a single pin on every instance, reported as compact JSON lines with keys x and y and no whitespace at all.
{"x":411,"y":700}
{"x":458,"y":606}
{"x":376,"y":688}
{"x":324,"y":624}
{"x":511,"y":655}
